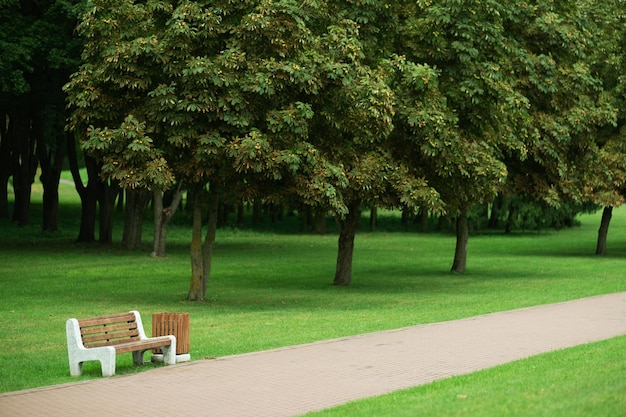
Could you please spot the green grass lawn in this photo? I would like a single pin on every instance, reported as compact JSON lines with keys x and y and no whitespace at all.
{"x":270,"y":289}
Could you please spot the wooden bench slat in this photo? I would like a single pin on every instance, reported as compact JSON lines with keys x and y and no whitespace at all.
{"x":115,"y":318}
{"x":88,"y":340}
{"x":113,"y":342}
{"x":108,"y":328}
{"x":141,"y":345}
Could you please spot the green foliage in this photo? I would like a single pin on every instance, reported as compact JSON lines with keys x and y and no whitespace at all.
{"x":482,"y":92}
{"x":568,"y":103}
{"x":36,"y":39}
{"x":522,"y":213}
{"x":605,"y":179}
{"x":235,"y":92}
{"x":141,"y":162}
{"x":518,"y":79}
{"x":472,"y":108}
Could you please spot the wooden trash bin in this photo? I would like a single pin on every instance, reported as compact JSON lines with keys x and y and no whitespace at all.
{"x":176,"y":324}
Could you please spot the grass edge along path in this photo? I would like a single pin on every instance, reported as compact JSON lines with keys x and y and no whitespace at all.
{"x":583,"y":381}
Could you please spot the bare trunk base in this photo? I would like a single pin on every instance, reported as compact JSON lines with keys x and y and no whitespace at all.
{"x":347,"y":232}
{"x":107,"y":193}
{"x":319,"y":223}
{"x":50,"y":221}
{"x":202,"y":253}
{"x":603,"y":231}
{"x":373,"y":218}
{"x":462,"y":238}
{"x":136,"y":203}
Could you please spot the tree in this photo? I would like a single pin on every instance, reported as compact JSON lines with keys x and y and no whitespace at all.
{"x":517,"y":79}
{"x":352,"y":116}
{"x":219,"y":96}
{"x":567,"y":102}
{"x":607,"y":177}
{"x":460,"y":145}
{"x":37,"y":53}
{"x":359,"y":139}
{"x":380,"y":171}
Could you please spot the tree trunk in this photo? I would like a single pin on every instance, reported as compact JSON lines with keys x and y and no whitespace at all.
{"x":160,"y":225}
{"x":136,"y":202}
{"x":240,"y":215}
{"x":51,"y":163}
{"x":88,"y":215}
{"x":306,"y":218}
{"x":496,"y":207}
{"x":319,"y":223}
{"x":162,"y":217}
{"x":423,"y":220}
{"x":195,"y":286}
{"x":404,"y":220}
{"x":373,"y":218}
{"x":107,"y":193}
{"x":441,"y":222}
{"x":607,"y":213}
{"x":209,"y":239}
{"x":88,"y":194}
{"x":347,"y":232}
{"x":256,"y":212}
{"x":50,"y":220}
{"x":201,"y":253}
{"x":462,"y":238}
{"x":6,"y":152}
{"x":509,"y":221}
{"x":24,"y":164}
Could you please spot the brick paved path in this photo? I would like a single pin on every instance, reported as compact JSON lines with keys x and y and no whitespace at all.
{"x":295,"y":380}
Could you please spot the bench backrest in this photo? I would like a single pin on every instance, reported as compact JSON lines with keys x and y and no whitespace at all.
{"x":109,"y":330}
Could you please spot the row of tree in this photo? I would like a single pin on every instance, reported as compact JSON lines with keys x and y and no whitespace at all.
{"x":327,"y":106}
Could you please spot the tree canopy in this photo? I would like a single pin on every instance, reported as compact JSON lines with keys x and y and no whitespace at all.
{"x":335,"y":105}
{"x":244,"y":97}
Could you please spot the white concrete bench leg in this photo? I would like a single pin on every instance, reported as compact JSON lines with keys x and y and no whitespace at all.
{"x":138,"y":357}
{"x":108,"y":363}
{"x":169,"y":352}
{"x":77,"y":354}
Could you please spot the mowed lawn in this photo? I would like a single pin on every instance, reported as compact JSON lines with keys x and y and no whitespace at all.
{"x":270,"y":288}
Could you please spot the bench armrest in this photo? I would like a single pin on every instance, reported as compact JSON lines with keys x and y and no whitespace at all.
{"x":72,"y":331}
{"x":142,"y":333}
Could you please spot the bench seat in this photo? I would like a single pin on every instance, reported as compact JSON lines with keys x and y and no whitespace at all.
{"x":102,"y":338}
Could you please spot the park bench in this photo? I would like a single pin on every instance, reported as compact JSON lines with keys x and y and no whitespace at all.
{"x":101,"y":338}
